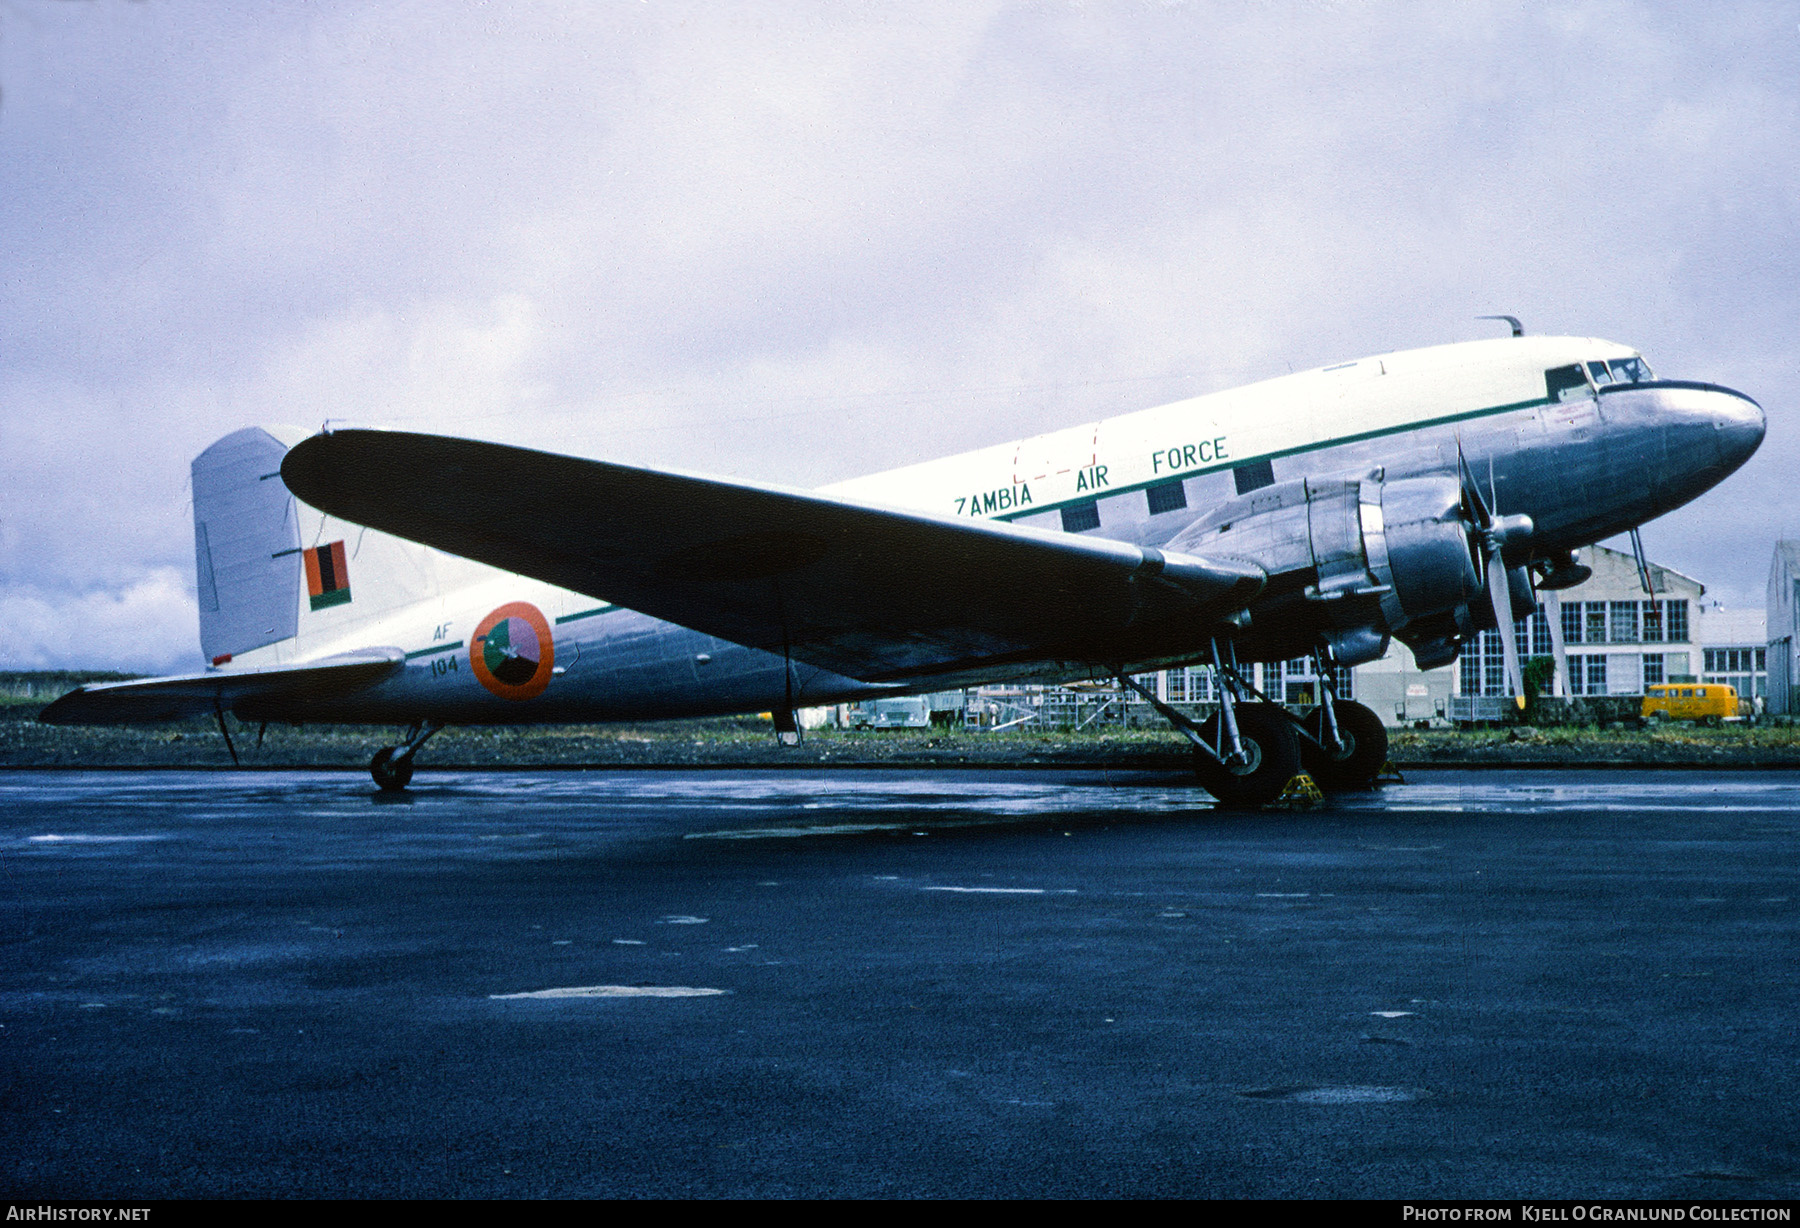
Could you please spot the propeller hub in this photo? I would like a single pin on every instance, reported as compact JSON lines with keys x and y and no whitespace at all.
{"x":1506,"y":531}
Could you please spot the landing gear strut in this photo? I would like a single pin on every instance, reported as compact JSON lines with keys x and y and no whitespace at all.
{"x":392,"y":766}
{"x":1245,"y":753}
{"x":1343,"y":744}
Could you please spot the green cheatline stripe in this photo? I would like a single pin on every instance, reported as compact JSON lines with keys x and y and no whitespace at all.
{"x":431,"y":652}
{"x":569,"y":618}
{"x":1338,"y":442}
{"x":336,"y":596}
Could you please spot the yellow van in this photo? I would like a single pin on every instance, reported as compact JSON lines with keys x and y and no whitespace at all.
{"x":1709,"y":703}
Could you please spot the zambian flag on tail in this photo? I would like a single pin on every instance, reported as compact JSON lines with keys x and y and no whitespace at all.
{"x":327,"y":580}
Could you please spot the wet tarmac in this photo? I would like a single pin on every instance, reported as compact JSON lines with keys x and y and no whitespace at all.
{"x":885,"y":983}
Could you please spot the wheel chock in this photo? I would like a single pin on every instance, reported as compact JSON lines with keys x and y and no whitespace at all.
{"x":1388,"y":775}
{"x":1302,"y":793}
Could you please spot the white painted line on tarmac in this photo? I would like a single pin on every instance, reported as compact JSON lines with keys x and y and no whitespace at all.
{"x":990,"y":890}
{"x":53,"y":838}
{"x":615,"y":991}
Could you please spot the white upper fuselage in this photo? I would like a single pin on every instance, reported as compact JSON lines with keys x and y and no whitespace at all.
{"x":1309,"y":411}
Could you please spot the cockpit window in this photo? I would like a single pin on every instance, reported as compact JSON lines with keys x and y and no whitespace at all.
{"x":1632,"y":370}
{"x":1600,"y":373}
{"x":1564,"y":383}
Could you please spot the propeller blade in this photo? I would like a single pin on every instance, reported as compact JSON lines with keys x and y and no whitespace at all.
{"x":1500,"y":594}
{"x":1558,"y":650}
{"x":1478,"y":508}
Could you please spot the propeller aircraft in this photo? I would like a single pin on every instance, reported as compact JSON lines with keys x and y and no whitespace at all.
{"x":1424,"y":495}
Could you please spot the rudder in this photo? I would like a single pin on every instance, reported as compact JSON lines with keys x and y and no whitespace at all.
{"x":247,"y":558}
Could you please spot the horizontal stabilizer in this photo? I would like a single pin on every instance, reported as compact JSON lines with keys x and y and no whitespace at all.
{"x":876,"y":593}
{"x":183,"y":695}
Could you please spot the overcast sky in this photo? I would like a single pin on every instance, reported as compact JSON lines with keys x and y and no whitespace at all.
{"x":800,"y":243}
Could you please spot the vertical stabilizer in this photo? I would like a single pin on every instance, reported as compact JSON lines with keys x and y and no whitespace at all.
{"x":246,"y":545}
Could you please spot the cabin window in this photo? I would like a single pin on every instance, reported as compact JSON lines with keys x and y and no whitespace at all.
{"x":1169,"y":497}
{"x":1253,"y":476}
{"x":1562,"y":383}
{"x":1080,"y":517}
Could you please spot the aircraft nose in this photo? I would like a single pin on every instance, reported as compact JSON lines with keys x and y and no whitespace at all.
{"x":1739,"y":425}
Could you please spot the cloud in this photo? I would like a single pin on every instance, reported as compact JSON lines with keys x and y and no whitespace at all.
{"x":147,"y":626}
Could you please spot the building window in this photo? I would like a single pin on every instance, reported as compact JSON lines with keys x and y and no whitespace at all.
{"x":1596,"y":623}
{"x":1653,"y":622}
{"x":1531,"y":635}
{"x":1653,"y":669}
{"x":1587,"y":675}
{"x":1623,"y":624}
{"x":1743,"y":668}
{"x":1734,"y":660}
{"x":1571,"y":622}
{"x":1169,"y":497}
{"x":1675,"y":614}
{"x":1596,"y":675}
{"x":1193,"y":685}
{"x":1540,"y":634}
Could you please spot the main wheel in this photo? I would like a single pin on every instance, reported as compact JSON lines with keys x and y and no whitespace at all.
{"x":1364,"y":748}
{"x":1273,"y":757}
{"x":390,"y":774}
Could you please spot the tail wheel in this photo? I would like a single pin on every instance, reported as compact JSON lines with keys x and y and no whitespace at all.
{"x":1273,"y":757}
{"x":390,"y":772}
{"x":1364,"y":747}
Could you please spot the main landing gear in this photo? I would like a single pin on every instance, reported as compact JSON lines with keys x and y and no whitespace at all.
{"x":1360,"y":749}
{"x":392,"y":766}
{"x":1246,"y":753}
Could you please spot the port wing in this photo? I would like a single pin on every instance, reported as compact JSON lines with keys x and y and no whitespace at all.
{"x":872,"y":592}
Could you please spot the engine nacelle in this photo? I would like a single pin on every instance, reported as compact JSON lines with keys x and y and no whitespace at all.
{"x":1419,"y":547}
{"x":1363,"y":559}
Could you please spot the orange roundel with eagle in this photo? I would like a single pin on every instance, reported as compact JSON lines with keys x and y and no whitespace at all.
{"x":511,"y":651}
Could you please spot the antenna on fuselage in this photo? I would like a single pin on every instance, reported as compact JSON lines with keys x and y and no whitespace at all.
{"x":1518,"y":328}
